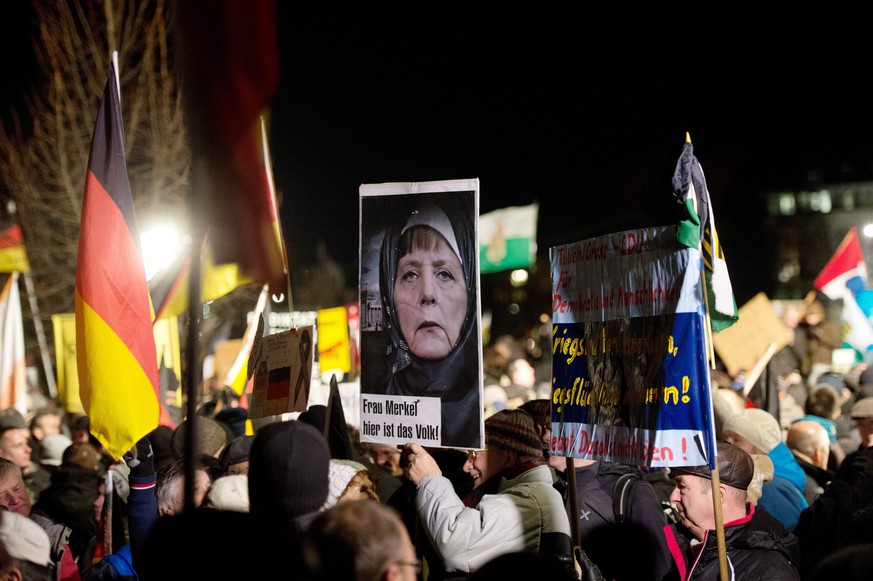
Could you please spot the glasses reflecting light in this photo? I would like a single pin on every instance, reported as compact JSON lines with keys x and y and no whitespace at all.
{"x":471,"y":454}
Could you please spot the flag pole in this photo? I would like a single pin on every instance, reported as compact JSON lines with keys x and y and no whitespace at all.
{"x":716,"y":481}
{"x":192,"y":347}
{"x":50,"y":382}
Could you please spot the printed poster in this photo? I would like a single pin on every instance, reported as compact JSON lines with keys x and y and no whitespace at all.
{"x":629,"y":369}
{"x":421,"y":346}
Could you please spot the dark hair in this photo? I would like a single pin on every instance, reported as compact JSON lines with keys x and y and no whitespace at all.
{"x":822,"y":402}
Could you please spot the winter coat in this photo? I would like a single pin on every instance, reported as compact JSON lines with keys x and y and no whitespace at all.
{"x":757,"y":548}
{"x":526,"y":511}
{"x":603,"y":540}
{"x":842,"y":515}
{"x":783,"y":497}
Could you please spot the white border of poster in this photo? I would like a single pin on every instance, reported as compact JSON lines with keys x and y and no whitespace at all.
{"x":405,"y":395}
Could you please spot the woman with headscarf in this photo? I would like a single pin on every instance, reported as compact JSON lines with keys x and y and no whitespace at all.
{"x":427,"y":282}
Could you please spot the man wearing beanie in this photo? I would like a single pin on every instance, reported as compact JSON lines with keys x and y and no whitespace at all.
{"x":758,"y":432}
{"x":756,"y":544}
{"x":288,"y":467}
{"x":525,"y":515}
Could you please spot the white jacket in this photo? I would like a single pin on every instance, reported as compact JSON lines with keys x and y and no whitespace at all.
{"x":507,"y":522}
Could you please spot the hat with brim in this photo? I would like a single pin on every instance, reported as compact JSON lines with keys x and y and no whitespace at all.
{"x":863,"y":409}
{"x":735,"y":467}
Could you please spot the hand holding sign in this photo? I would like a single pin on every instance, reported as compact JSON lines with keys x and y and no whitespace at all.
{"x":420,"y":463}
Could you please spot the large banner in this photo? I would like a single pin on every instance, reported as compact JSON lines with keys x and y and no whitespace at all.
{"x":630,"y":377}
{"x":421,"y":363}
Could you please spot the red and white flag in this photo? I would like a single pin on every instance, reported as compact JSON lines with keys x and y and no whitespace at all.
{"x":13,"y":387}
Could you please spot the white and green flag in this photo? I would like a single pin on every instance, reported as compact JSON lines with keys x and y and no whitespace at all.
{"x":508,"y":238}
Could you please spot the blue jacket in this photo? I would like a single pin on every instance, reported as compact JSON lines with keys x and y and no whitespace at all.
{"x":783,"y":497}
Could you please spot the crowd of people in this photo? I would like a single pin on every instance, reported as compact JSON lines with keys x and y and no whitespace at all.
{"x":298,"y":500}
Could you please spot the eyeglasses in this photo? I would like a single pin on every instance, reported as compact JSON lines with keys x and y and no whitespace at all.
{"x":415,"y":564}
{"x":471,"y":454}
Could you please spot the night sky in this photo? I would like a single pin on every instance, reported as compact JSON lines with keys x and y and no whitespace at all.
{"x":584,"y":110}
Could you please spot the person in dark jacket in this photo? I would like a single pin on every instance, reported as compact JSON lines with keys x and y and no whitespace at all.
{"x":842,"y":516}
{"x":757,"y":545}
{"x":606,"y":530}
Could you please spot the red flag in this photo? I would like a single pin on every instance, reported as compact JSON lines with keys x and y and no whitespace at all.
{"x":231,"y":74}
{"x":845,"y":270}
{"x":118,"y":372}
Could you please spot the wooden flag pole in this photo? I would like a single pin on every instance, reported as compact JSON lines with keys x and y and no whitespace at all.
{"x":716,"y":481}
{"x":719,"y":522}
{"x":574,"y":510}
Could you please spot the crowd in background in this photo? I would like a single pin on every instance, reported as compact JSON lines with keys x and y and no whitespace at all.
{"x":294,"y":500}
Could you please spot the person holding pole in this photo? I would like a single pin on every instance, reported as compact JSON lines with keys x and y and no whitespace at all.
{"x":756,"y":544}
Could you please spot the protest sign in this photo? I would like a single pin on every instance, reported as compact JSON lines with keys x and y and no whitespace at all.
{"x":421,"y":348}
{"x":741,"y":345}
{"x":630,"y":382}
{"x":282,"y":364}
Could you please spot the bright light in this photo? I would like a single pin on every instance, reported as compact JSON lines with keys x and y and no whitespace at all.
{"x":161,"y":246}
{"x":518,"y":277}
{"x":868,"y":230}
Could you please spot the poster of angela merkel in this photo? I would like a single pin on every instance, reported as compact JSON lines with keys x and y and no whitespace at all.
{"x":421,"y":364}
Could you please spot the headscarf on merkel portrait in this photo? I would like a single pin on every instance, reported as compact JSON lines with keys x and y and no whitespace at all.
{"x":454,"y":377}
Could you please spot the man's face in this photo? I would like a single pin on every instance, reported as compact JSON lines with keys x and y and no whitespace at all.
{"x":865,"y":430}
{"x":13,"y":495}
{"x":693,"y":498}
{"x":13,"y":447}
{"x":407,"y":565}
{"x":430,"y":297}
{"x":49,"y":425}
{"x":483,"y":464}
{"x":740,"y":442}
{"x":384,"y":455}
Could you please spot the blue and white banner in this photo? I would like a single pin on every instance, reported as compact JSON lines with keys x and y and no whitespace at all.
{"x":630,"y":380}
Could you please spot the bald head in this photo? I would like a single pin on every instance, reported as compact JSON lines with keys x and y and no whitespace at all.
{"x":810,"y":439}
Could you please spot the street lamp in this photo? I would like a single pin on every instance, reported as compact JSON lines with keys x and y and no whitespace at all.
{"x":162,"y":245}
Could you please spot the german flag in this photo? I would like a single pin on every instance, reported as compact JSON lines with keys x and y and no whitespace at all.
{"x":118,"y":372}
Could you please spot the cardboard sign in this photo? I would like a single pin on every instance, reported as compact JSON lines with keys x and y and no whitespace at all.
{"x":282,"y":371}
{"x":742,"y":344}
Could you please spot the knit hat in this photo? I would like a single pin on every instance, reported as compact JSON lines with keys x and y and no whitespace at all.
{"x":863,"y":409}
{"x":11,"y":418}
{"x":235,"y":452}
{"x":24,"y":539}
{"x":229,"y":493}
{"x":757,"y":426}
{"x":513,"y":430}
{"x":735,"y":467}
{"x":53,"y":449}
{"x":339,"y":476}
{"x":234,"y":419}
{"x":161,"y":441}
{"x":288,"y":466}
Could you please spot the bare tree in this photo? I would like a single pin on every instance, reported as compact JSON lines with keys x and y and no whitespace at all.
{"x":44,"y":150}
